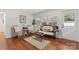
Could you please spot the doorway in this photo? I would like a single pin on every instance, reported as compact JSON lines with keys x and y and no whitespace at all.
{"x":2,"y":24}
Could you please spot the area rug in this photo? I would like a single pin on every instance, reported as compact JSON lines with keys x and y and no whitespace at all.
{"x":38,"y":44}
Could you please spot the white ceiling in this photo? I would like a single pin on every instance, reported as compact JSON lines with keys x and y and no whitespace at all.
{"x":31,"y":11}
{"x":34,"y":11}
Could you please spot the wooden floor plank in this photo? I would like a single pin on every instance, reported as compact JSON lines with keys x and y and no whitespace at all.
{"x":21,"y":44}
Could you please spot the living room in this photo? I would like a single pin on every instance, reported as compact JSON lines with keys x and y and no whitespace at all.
{"x":63,"y":21}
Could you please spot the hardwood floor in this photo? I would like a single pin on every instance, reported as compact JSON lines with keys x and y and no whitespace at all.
{"x":2,"y":41}
{"x":20,"y":44}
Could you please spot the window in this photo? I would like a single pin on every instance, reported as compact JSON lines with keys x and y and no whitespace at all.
{"x":69,"y":24}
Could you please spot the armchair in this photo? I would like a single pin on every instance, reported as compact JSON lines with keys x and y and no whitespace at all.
{"x":16,"y":31}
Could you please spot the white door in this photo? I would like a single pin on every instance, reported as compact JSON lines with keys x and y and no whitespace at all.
{"x":69,"y":27}
{"x":1,"y":22}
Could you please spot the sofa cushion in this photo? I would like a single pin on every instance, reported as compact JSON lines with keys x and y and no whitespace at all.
{"x":47,"y":28}
{"x":46,"y":33}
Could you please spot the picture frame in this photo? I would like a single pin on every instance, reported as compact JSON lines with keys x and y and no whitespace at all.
{"x":22,"y":19}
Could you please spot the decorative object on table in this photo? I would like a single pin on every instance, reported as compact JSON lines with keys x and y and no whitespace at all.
{"x":34,"y":23}
{"x":22,"y":19}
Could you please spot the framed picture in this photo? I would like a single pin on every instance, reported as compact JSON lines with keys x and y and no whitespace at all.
{"x":22,"y":19}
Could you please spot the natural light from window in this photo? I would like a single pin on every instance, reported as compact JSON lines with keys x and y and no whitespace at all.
{"x":71,"y":24}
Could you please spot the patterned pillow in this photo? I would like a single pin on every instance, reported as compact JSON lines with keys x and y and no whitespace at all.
{"x":47,"y":28}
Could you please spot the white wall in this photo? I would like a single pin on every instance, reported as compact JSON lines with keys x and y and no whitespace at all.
{"x":12,"y":18}
{"x":52,"y":13}
{"x":78,"y":24}
{"x":1,"y":22}
{"x":70,"y":33}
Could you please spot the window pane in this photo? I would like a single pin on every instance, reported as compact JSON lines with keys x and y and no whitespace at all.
{"x":69,"y":24}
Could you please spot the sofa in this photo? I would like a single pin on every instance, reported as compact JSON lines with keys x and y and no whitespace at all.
{"x":49,"y":31}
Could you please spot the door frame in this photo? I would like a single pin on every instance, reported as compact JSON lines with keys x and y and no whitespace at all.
{"x":3,"y":21}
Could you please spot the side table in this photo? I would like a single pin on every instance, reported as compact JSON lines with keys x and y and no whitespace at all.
{"x":25,"y":31}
